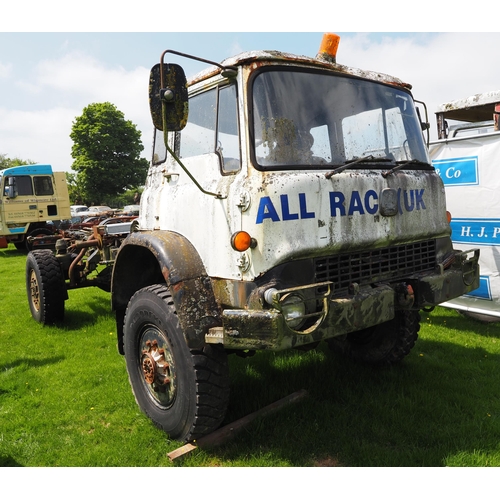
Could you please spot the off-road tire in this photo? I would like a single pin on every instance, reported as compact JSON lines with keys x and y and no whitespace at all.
{"x":45,"y":287}
{"x":184,"y":392}
{"x":384,"y":344}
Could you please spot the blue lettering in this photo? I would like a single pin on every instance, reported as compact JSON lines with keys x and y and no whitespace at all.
{"x":337,"y":200}
{"x":356,"y":205}
{"x":400,"y":209}
{"x":266,"y":211}
{"x":407,"y":200}
{"x":419,"y":198}
{"x":304,"y":214}
{"x":285,"y":209}
{"x":371,"y":209}
{"x":409,"y":204}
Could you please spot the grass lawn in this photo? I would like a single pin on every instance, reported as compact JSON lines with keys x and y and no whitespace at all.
{"x":65,"y":398}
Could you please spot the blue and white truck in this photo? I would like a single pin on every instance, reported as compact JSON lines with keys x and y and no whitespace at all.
{"x":467,"y":157}
{"x":30,"y":197}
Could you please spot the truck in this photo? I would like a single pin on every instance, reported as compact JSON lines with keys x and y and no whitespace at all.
{"x":290,"y":202}
{"x":31,"y":197}
{"x":466,"y":155}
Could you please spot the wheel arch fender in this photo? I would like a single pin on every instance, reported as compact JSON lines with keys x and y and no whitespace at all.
{"x":153,"y":257}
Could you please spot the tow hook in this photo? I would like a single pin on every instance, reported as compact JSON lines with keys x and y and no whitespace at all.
{"x":405,"y":295}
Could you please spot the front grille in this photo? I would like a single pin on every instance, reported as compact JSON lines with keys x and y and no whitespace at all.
{"x":384,"y":264}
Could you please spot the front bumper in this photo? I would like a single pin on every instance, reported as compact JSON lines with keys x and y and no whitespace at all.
{"x":367,"y":306}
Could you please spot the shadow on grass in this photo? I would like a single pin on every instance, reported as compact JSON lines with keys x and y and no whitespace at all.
{"x":93,"y":308}
{"x":7,"y":461}
{"x":420,"y":413}
{"x":12,"y":252}
{"x":33,"y":363}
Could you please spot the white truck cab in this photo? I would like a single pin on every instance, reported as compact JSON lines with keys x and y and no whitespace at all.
{"x":290,"y":200}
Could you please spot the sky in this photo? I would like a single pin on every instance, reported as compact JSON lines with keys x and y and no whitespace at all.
{"x":48,"y":76}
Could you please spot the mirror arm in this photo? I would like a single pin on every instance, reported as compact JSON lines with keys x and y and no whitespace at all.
{"x":227,"y":71}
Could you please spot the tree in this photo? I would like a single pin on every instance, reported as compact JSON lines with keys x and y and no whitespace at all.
{"x":106,"y":149}
{"x":6,"y":162}
{"x":75,"y":189}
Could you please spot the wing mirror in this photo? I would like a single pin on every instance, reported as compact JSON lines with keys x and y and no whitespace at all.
{"x":11,"y":190}
{"x":168,"y":97}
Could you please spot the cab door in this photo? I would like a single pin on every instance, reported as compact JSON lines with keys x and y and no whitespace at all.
{"x":201,"y":205}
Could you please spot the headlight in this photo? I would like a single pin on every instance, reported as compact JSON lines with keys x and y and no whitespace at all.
{"x":293,"y":309}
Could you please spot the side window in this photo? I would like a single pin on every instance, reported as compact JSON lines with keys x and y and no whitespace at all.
{"x":228,"y":144}
{"x":198,"y":136}
{"x":213,"y":127}
{"x":43,"y":186}
{"x":23,"y":185}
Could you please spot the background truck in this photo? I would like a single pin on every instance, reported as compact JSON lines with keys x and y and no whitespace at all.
{"x":467,"y":155}
{"x":30,"y":197}
{"x":290,"y":200}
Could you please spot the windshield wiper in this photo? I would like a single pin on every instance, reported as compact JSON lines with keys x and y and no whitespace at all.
{"x":401,"y":165}
{"x":341,"y":168}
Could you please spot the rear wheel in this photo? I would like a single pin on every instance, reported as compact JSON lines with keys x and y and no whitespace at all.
{"x":184,"y":392}
{"x":45,"y":286}
{"x":383,"y":344}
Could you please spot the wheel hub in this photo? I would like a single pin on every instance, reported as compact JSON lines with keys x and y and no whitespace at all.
{"x":34,"y":291}
{"x":155,"y":367}
{"x":148,"y":368}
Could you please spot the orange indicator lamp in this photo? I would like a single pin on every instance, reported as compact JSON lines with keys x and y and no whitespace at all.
{"x":242,"y":241}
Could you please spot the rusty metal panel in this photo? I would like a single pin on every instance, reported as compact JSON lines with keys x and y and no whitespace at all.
{"x":179,"y":265}
{"x":475,"y":108}
{"x":261,"y":57}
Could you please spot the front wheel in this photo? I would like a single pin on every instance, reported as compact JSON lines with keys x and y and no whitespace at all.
{"x":45,"y":286}
{"x":383,"y":344}
{"x":184,"y":392}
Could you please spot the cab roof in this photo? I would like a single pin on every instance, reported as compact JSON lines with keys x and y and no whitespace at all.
{"x":475,"y":108}
{"x":273,"y":56}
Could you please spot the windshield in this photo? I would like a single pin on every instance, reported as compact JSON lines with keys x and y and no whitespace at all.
{"x":319,"y":120}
